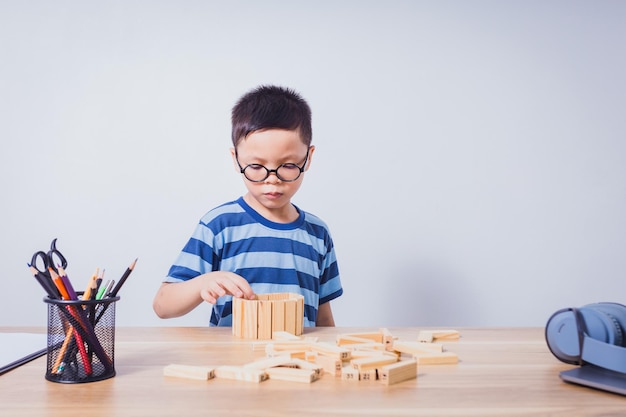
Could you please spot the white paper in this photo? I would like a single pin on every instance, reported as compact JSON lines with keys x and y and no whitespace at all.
{"x":16,"y":346}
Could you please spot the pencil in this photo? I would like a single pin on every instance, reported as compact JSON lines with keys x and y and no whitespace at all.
{"x":90,"y":285}
{"x":59,"y":283}
{"x":128,"y":271}
{"x":43,"y":280}
{"x":68,"y":285}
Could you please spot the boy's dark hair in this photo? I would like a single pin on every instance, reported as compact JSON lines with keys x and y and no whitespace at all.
{"x":271,"y":107}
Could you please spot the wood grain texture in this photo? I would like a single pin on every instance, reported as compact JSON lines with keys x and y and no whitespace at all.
{"x":501,"y":372}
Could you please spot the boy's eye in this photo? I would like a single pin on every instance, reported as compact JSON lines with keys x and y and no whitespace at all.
{"x":255,"y":167}
{"x":290,"y":166}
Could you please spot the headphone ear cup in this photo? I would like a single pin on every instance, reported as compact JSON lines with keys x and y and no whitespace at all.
{"x":616,"y":313}
{"x":566,"y":328}
{"x":562,"y":336}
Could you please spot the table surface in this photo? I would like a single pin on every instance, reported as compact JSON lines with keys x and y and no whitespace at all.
{"x":501,"y":372}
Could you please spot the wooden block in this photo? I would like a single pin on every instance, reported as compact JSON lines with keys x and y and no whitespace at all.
{"x":201,"y":373}
{"x":387,"y":338}
{"x":436,"y":358}
{"x":373,"y":362}
{"x":264,"y":330}
{"x":350,"y":374}
{"x":237,"y":317}
{"x":370,"y":336}
{"x":398,"y":372}
{"x":417,"y":347}
{"x":368,"y":375}
{"x":433,"y":335}
{"x":331,"y":350}
{"x":299,"y":315}
{"x":290,"y":316}
{"x":372,"y":346}
{"x":240,"y":373}
{"x":295,"y":350}
{"x":278,"y":317}
{"x":330,"y":364}
{"x":347,"y":339}
{"x":292,"y":374}
{"x":309,"y":366}
{"x":364,"y":353}
{"x":271,"y":362}
{"x":310,"y":356}
{"x":289,"y":345}
{"x":250,"y":317}
{"x":283,"y":335}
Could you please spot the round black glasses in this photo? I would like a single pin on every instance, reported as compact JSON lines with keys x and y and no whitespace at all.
{"x":285,"y":172}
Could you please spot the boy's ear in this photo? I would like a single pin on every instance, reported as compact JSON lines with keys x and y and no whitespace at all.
{"x":308,"y":162}
{"x":234,"y":155}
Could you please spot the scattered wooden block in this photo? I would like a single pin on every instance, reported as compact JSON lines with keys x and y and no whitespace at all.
{"x":201,"y":373}
{"x":433,"y":335}
{"x":295,"y":349}
{"x":387,"y":338}
{"x":350,"y":374}
{"x":292,"y":374}
{"x":268,"y":313}
{"x":240,"y":373}
{"x":270,"y":362}
{"x":306,"y":365}
{"x":365,"y":353}
{"x":368,"y":375}
{"x":331,"y":350}
{"x":435,"y":358}
{"x":330,"y":364}
{"x":283,"y":335}
{"x":373,"y":362}
{"x":398,"y":372}
{"x":345,"y":339}
{"x":417,"y":347}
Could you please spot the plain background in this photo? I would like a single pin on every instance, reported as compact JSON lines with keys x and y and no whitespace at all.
{"x":471,"y":155}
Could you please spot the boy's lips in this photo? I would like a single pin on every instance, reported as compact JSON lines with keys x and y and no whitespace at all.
{"x":273,"y":195}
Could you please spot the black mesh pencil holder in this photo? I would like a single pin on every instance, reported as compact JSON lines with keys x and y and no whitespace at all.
{"x":81,"y":340}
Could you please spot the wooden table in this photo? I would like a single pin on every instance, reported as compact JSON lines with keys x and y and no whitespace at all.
{"x":502,"y":372}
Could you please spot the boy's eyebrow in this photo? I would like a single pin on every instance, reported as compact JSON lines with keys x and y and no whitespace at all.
{"x":292,"y":158}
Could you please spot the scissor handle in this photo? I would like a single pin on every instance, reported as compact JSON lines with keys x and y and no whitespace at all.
{"x":54,"y":251}
{"x":44,"y":258}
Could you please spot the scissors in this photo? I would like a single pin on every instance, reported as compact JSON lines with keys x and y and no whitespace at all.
{"x":48,"y":259}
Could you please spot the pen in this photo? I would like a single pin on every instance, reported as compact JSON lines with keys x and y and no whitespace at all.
{"x":107,"y":292}
{"x":128,"y":271}
{"x":102,"y":290}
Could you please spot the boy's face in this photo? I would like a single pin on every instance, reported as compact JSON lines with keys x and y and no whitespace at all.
{"x":272,"y":148}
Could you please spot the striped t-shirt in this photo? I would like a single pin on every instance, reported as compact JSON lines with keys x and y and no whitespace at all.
{"x":297,"y":257}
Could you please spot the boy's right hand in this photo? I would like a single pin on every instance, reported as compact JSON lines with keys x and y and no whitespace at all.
{"x":219,"y":283}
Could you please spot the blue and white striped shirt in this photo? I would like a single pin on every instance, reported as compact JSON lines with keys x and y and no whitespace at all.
{"x":297,"y":257}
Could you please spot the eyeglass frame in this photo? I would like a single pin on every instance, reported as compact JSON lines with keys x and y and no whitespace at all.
{"x":275,"y":170}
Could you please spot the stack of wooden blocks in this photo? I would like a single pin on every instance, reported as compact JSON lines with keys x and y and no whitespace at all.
{"x":268,"y":313}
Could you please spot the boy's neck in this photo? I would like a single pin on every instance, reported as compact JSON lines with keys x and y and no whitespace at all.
{"x":285,"y":214}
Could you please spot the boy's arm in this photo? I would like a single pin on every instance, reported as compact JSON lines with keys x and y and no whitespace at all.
{"x":179,"y":298}
{"x":325,"y":316}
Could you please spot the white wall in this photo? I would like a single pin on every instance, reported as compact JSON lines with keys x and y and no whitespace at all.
{"x":471,"y":156}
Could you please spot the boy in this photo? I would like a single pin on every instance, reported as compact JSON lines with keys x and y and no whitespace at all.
{"x":260,"y":242}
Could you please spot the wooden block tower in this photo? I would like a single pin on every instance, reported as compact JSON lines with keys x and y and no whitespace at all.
{"x":268,"y":313}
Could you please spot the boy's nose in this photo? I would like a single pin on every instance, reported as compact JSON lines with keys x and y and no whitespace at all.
{"x":272,"y":178}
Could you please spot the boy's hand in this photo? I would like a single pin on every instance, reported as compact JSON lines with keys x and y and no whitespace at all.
{"x":219,"y":283}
